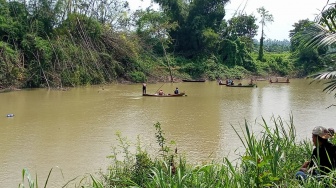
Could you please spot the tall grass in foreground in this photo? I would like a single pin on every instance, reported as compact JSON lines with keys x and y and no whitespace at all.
{"x":271,"y":159}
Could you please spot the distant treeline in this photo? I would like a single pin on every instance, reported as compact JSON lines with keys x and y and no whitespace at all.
{"x":274,"y":45}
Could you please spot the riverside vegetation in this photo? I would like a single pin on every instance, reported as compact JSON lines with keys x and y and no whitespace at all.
{"x":270,"y":159}
{"x":56,"y":44}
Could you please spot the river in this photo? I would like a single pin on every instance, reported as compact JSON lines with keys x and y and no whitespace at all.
{"x":73,"y":131}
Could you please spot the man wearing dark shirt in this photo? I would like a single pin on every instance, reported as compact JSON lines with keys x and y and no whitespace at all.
{"x":323,"y":156}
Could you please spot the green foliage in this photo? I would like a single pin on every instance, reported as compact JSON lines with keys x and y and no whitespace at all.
{"x":280,"y":65}
{"x":138,"y":77}
{"x":54,"y":44}
{"x":80,"y":27}
{"x":320,"y":38}
{"x":153,"y":27}
{"x":271,"y":158}
{"x":142,"y":168}
{"x":10,"y":71}
{"x":161,"y":140}
{"x":298,"y":28}
{"x":229,"y":52}
{"x":245,"y":27}
{"x":199,"y":23}
{"x":214,"y":70}
{"x":210,"y":39}
{"x":274,"y":64}
{"x":237,"y":72}
{"x":33,"y":183}
{"x":276,"y":46}
{"x":308,"y":61}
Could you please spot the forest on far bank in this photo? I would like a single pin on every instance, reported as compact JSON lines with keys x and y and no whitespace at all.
{"x":56,"y":44}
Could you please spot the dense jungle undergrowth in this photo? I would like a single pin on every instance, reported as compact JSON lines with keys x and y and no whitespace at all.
{"x":55,"y":44}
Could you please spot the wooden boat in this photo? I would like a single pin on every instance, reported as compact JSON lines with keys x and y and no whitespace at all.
{"x":193,"y":80}
{"x":165,"y":95}
{"x":278,"y":82}
{"x":249,"y":85}
{"x":252,"y":85}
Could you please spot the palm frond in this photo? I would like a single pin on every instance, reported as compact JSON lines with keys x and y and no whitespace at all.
{"x":315,"y":36}
{"x":331,"y":86}
{"x":326,"y":75}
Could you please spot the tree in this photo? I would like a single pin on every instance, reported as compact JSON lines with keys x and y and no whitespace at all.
{"x":245,"y":27}
{"x":321,"y":34}
{"x":298,"y":27}
{"x":155,"y":27}
{"x":199,"y":23}
{"x":306,"y":60}
{"x":265,"y":18}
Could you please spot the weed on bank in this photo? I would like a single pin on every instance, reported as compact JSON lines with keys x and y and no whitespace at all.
{"x":271,"y":159}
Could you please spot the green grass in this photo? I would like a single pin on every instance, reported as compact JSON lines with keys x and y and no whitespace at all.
{"x":271,"y":159}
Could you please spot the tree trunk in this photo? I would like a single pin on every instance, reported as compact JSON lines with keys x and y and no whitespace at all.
{"x":170,"y":72}
{"x":261,"y":44}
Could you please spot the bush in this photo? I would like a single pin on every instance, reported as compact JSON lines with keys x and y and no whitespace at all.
{"x":138,"y":77}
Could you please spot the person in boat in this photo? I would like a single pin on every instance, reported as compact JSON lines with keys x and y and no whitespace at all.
{"x":220,"y":82}
{"x":287,"y":80}
{"x":232,"y":83}
{"x":144,"y":88}
{"x":276,"y":80}
{"x":176,"y":91}
{"x":227,"y":81}
{"x":323,"y":158}
{"x":161,"y":92}
{"x":251,"y":82}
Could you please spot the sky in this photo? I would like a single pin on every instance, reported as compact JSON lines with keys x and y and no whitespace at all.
{"x":285,"y":13}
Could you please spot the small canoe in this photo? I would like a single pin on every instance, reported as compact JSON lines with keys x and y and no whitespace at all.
{"x":165,"y":95}
{"x":193,"y":80}
{"x":278,"y":82}
{"x":250,"y":85}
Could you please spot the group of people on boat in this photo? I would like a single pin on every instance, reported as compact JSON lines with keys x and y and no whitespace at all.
{"x":231,"y":82}
{"x":144,"y":90}
{"x":176,"y":91}
{"x":277,"y":80}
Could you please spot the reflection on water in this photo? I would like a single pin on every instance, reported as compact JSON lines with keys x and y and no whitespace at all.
{"x":75,"y":130}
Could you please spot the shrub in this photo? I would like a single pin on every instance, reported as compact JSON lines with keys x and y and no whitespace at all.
{"x":138,"y":77}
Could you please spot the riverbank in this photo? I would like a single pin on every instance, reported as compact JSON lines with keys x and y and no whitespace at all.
{"x":3,"y":90}
{"x":270,"y":160}
{"x":153,"y":80}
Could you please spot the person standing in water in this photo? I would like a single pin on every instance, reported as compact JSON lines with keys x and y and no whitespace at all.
{"x":144,"y":86}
